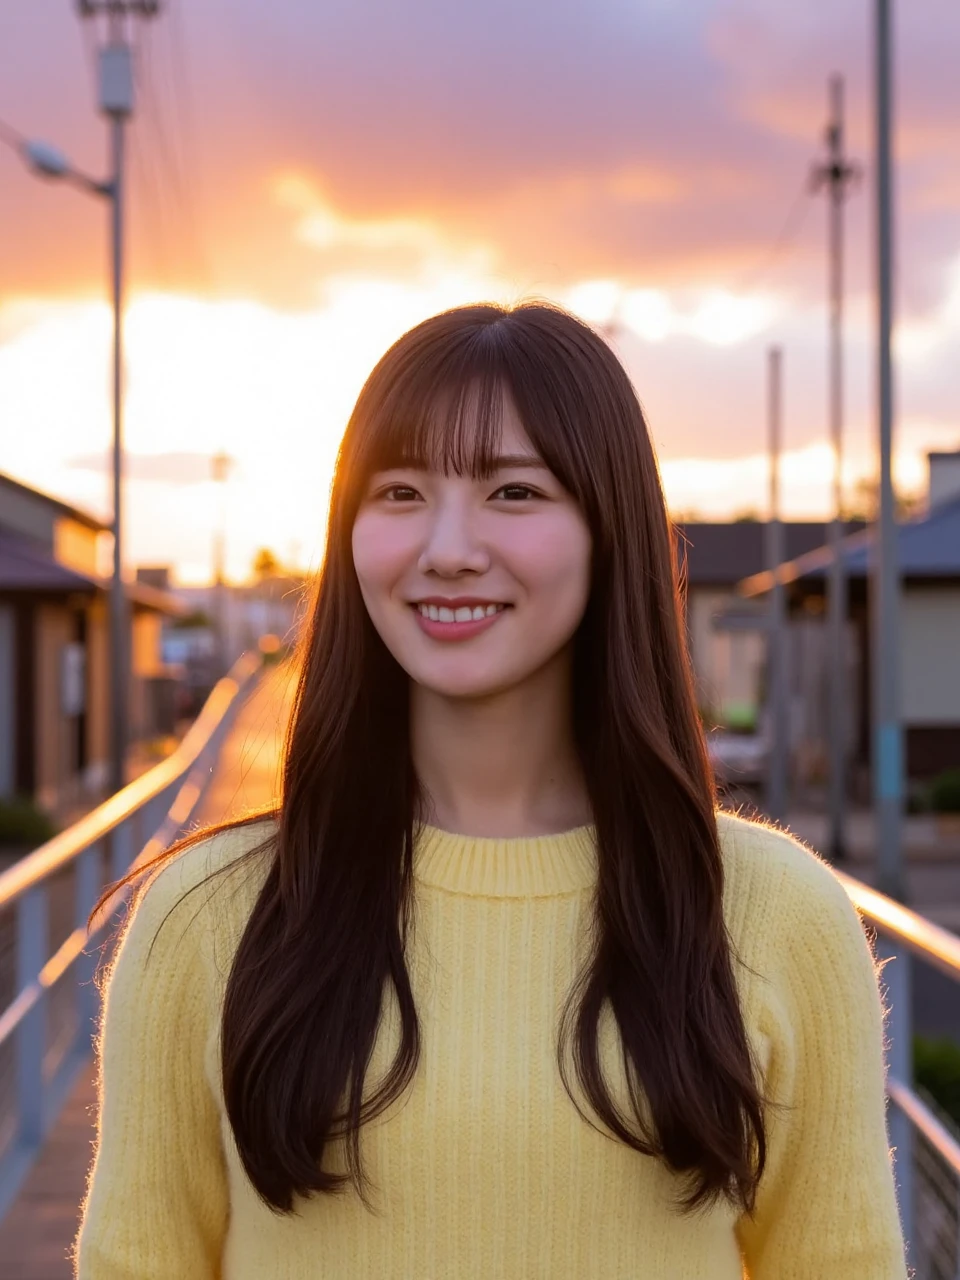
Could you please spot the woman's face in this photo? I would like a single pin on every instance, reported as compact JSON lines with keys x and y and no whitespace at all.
{"x":473,"y":585}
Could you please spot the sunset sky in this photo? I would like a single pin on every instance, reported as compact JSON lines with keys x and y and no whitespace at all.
{"x":309,"y":179}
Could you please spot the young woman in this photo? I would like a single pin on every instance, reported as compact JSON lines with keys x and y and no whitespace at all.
{"x":497,"y":990}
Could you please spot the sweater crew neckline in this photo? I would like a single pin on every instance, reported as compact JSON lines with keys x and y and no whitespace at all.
{"x":507,"y":867}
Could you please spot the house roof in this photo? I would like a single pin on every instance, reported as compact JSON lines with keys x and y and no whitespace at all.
{"x":724,"y":553}
{"x":63,"y":508}
{"x":926,"y":548}
{"x":27,"y":566}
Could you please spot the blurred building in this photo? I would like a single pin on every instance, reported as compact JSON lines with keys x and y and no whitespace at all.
{"x":54,"y":651}
{"x":928,"y":553}
{"x":725,"y":634}
{"x":220,"y":622}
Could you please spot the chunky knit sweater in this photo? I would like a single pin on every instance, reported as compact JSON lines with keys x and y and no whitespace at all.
{"x":484,"y":1168}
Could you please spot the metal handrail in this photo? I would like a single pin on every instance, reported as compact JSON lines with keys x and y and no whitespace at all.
{"x":47,"y":1039}
{"x":923,"y":1119}
{"x":100,"y":822}
{"x":929,"y":941}
{"x":935,"y":946}
{"x":903,"y":934}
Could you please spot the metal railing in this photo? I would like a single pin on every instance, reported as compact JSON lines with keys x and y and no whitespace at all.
{"x":47,"y":1021}
{"x":926,"y":1146}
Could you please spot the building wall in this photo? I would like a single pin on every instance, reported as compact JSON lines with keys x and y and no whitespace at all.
{"x":8,"y":711}
{"x":61,"y":776}
{"x":702,"y":604}
{"x":27,"y":515}
{"x":944,"y":476}
{"x":55,"y":748}
{"x":727,"y":664}
{"x":929,"y":649}
{"x":98,"y":704}
{"x":75,"y":546}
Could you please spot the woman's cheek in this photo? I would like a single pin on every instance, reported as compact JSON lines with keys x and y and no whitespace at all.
{"x":553,"y":559}
{"x":380,"y":551}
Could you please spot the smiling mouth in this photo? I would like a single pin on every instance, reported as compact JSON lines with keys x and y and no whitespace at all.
{"x":464,"y":613}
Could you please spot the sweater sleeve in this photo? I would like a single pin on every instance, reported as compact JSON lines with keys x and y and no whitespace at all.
{"x":157,"y":1199}
{"x":826,"y":1204}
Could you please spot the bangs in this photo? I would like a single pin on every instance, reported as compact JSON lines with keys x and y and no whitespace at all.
{"x":444,"y":419}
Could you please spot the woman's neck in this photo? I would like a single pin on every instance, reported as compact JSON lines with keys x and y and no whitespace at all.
{"x":505,"y":765}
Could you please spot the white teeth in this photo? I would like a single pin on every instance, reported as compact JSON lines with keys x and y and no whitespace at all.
{"x":464,"y":614}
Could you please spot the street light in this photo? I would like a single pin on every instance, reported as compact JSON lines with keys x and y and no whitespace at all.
{"x":116,"y":102}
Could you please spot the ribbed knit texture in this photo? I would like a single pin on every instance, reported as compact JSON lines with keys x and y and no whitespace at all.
{"x":483,"y":1168}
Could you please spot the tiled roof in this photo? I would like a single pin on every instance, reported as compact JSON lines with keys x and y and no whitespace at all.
{"x":926,"y":548}
{"x":724,"y":553}
{"x":64,"y":508}
{"x":27,"y":566}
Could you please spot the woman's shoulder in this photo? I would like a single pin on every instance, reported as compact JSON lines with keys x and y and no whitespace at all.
{"x":772,"y":878}
{"x":212,"y":882}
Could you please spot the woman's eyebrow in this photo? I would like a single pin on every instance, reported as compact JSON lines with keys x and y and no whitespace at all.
{"x":519,"y":460}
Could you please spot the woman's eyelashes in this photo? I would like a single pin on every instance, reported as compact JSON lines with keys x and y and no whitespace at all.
{"x":388,"y":493}
{"x":524,"y":489}
{"x":405,"y":493}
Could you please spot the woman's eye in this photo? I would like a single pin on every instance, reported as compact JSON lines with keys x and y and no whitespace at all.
{"x":513,"y":491}
{"x":397,"y":493}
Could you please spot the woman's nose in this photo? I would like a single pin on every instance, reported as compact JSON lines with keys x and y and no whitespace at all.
{"x":451,"y":545}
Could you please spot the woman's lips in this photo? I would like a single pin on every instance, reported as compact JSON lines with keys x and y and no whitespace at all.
{"x":457,"y":630}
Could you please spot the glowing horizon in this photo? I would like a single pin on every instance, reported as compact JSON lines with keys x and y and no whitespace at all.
{"x":305,"y":184}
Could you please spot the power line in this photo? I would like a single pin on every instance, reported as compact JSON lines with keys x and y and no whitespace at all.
{"x":785,"y":239}
{"x":787,"y":235}
{"x":171,"y":145}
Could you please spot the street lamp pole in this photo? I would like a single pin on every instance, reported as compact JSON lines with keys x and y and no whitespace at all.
{"x":116,"y":103}
{"x":48,"y":162}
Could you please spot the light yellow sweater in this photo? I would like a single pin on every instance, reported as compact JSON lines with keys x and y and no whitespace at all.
{"x":484,"y":1169}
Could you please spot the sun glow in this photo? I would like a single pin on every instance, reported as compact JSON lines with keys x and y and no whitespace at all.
{"x":274,"y":390}
{"x":717,"y":317}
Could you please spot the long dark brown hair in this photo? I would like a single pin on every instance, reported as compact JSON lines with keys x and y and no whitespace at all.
{"x":330,"y":925}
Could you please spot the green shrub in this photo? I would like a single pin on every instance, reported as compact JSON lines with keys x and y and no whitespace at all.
{"x":740,"y":717}
{"x":22,"y":823}
{"x":936,"y":1068}
{"x":918,"y":798}
{"x":945,"y":792}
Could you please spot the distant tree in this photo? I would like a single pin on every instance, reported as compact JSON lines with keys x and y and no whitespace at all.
{"x":687,"y":515}
{"x":197,"y":618}
{"x":747,"y":516}
{"x":863,"y":505}
{"x":265,"y":564}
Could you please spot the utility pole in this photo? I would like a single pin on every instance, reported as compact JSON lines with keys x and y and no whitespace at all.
{"x":837,"y":175}
{"x":116,"y":103}
{"x":887,"y":753}
{"x":220,"y":465}
{"x":777,"y":691}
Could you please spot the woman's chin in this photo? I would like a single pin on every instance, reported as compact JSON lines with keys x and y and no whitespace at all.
{"x":466,"y":686}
